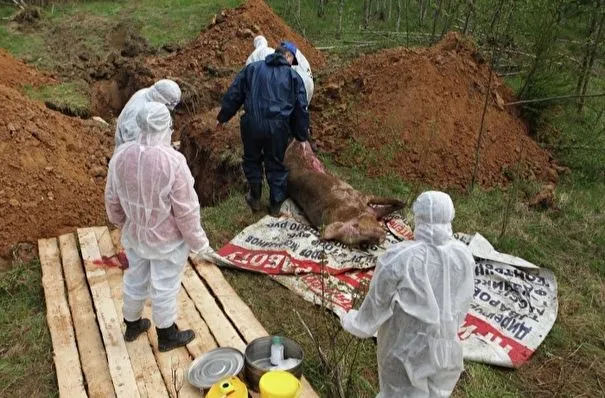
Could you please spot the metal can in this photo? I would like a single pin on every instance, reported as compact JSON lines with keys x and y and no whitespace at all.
{"x":214,"y":366}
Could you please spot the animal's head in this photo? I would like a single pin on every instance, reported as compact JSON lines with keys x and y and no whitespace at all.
{"x":362,"y":229}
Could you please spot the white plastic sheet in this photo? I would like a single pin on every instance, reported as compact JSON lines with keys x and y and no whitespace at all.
{"x":515,"y":302}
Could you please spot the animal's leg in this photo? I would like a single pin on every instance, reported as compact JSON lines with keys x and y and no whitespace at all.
{"x":386,"y":205}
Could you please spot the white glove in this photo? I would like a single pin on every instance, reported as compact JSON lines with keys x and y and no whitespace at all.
{"x":207,"y":254}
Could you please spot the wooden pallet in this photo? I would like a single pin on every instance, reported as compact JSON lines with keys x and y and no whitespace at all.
{"x":84,"y":314}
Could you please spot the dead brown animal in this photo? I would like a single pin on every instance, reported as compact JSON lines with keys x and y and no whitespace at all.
{"x":330,"y":204}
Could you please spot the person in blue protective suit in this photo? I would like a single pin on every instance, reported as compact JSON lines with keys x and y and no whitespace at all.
{"x":275,"y":104}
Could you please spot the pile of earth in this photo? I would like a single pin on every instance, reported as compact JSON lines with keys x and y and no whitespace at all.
{"x":205,"y":67}
{"x":214,"y":156}
{"x":16,"y":74}
{"x":419,"y":112}
{"x":53,"y":166}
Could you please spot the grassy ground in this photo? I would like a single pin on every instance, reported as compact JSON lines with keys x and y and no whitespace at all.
{"x":570,"y":241}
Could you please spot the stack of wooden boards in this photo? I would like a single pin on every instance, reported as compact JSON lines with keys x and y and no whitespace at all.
{"x":84,"y":314}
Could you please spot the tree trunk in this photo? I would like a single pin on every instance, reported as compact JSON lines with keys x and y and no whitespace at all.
{"x":436,"y":17}
{"x":452,"y":14}
{"x":321,"y":8}
{"x":595,"y":48}
{"x":341,"y":6}
{"x":587,"y":46}
{"x":496,"y":16}
{"x":422,"y":13}
{"x":366,"y":13}
{"x":468,"y":17}
{"x":398,"y":23}
{"x":390,"y":9}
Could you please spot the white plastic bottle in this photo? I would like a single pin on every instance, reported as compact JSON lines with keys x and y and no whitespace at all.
{"x":277,"y":351}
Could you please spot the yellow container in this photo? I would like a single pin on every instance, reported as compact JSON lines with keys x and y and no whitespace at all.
{"x":228,"y":388}
{"x":279,"y":384}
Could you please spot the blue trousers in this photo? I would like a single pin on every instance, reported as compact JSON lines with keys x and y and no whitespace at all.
{"x":268,"y":148}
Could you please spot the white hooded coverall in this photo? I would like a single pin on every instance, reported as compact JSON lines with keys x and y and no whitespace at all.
{"x":418,"y":298}
{"x":304,"y":71}
{"x":261,"y":50}
{"x":150,"y":196}
{"x":164,"y":91}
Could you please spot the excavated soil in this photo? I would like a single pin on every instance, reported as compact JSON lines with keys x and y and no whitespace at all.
{"x":205,"y":67}
{"x":420,"y":110}
{"x":53,"y":166}
{"x":213,"y":156}
{"x":16,"y":74}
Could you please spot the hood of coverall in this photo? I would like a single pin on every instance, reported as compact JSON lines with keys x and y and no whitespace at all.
{"x":434,"y":212}
{"x":165,"y":91}
{"x":260,"y":41}
{"x":155,"y":123}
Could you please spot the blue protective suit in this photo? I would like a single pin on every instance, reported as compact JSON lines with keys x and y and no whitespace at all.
{"x":275,"y":104}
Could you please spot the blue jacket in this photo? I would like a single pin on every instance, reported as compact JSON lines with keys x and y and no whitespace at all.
{"x":274,"y":99}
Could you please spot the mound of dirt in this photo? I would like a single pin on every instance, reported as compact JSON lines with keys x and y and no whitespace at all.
{"x":52,"y":174}
{"x":420,"y":110}
{"x":221,"y":51}
{"x":214,"y":157}
{"x":16,"y":74}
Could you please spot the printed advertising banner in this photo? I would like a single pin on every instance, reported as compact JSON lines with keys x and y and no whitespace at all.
{"x":515,"y":303}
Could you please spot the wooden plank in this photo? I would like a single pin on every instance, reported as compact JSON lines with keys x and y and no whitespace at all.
{"x":235,"y":308}
{"x":120,"y":367}
{"x":92,"y":352}
{"x":147,"y":374}
{"x":222,"y":330}
{"x":174,"y":366}
{"x":241,"y":315}
{"x":189,"y":318}
{"x":65,"y":351}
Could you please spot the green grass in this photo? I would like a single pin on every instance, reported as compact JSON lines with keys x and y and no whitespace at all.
{"x":26,"y":367}
{"x":72,"y":98}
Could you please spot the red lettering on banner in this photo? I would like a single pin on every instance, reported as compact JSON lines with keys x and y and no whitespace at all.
{"x":517,"y":352}
{"x":274,"y":262}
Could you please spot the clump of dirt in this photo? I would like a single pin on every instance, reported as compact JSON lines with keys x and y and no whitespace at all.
{"x":28,"y":15}
{"x":16,"y":74}
{"x":420,"y":111}
{"x":52,"y":178}
{"x":206,"y":66}
{"x":213,"y":156}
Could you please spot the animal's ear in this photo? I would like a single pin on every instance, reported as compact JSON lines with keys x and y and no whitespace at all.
{"x":333,"y":231}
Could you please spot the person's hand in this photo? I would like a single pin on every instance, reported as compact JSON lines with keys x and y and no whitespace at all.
{"x":207,"y":254}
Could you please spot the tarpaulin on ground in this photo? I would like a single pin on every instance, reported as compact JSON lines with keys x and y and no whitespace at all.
{"x":515,"y":303}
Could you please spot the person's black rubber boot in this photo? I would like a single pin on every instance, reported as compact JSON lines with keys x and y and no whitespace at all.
{"x":274,"y":209}
{"x":136,"y":328}
{"x":313,"y":146}
{"x":253,"y":197}
{"x":171,"y":338}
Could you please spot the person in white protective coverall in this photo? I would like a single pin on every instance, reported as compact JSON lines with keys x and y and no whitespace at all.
{"x":163,"y":91}
{"x":418,"y":298}
{"x":261,"y":50}
{"x":149,"y":195}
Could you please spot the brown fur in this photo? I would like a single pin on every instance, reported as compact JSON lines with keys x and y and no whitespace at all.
{"x":329,"y":202}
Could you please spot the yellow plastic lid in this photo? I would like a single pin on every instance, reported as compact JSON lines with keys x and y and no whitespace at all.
{"x":279,"y":384}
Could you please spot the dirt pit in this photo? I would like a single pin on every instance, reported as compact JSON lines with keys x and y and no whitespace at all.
{"x":419,"y":110}
{"x":52,"y":178}
{"x":214,"y":157}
